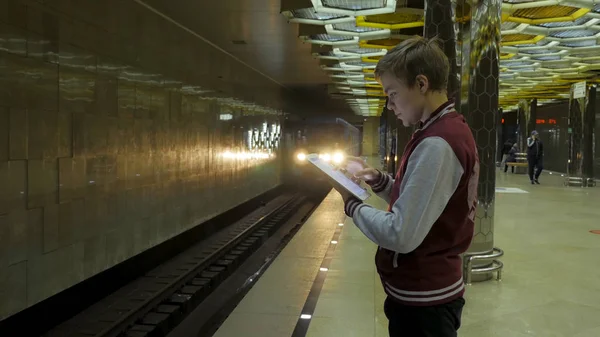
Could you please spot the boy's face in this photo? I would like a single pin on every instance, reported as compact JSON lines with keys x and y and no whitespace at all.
{"x":407,"y":103}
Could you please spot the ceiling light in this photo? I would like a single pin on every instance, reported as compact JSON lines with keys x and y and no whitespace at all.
{"x":355,"y":7}
{"x":330,"y":40}
{"x":350,"y":29}
{"x":310,"y":16}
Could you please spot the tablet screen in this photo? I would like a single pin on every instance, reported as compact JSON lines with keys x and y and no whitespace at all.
{"x":352,"y":187}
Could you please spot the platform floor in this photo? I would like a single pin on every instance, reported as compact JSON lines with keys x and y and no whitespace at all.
{"x":550,"y":285}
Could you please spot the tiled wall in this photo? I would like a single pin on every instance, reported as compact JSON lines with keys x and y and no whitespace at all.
{"x":108,"y":144}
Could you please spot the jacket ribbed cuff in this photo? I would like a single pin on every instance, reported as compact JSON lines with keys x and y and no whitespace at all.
{"x":379,"y":184}
{"x":351,"y":205}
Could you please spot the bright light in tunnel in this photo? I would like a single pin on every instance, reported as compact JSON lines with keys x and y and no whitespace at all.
{"x":338,"y":157}
{"x":325,"y":156}
{"x":301,"y":156}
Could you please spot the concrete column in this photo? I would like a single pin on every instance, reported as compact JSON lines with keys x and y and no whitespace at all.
{"x":522,"y":118}
{"x":440,"y":22}
{"x":479,"y":33}
{"x":370,"y":140}
{"x":382,"y":134}
{"x":499,"y":136}
{"x":532,"y":117}
{"x":582,"y":119}
{"x":392,"y":142}
{"x":588,"y":134}
{"x":575,"y":163}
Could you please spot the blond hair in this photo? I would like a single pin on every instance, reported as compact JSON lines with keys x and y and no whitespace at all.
{"x":416,"y":56}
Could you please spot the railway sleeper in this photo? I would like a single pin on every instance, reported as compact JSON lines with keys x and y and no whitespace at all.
{"x":164,"y":317}
{"x":181,"y":300}
{"x":142,"y":330}
{"x":159,"y":320}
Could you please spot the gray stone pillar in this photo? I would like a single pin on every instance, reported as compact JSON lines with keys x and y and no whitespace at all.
{"x":382,"y":134}
{"x":532,"y":117}
{"x":522,"y":120}
{"x":588,"y":136}
{"x":575,"y":159}
{"x":440,"y":22}
{"x":391,"y":141}
{"x":479,"y":74}
{"x":499,"y":136}
{"x":582,"y":120}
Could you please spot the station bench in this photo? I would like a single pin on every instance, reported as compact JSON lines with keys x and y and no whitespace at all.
{"x":515,"y":164}
{"x":518,"y":167}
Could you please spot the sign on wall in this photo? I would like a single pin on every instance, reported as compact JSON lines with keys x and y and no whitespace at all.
{"x":579,"y":89}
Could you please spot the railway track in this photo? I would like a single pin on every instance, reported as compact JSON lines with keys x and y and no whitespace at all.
{"x":153,"y":305}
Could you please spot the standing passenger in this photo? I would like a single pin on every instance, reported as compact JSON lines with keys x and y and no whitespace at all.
{"x":535,"y":157}
{"x":432,"y":199}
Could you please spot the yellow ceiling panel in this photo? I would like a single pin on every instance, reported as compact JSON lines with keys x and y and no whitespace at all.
{"x":516,"y":37}
{"x":372,"y":59}
{"x":380,"y":44}
{"x":393,"y":18}
{"x":545,"y":12}
{"x":506,"y":56}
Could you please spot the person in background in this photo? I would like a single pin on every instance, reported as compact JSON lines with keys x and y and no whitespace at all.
{"x":535,"y":157}
{"x":511,"y":157}
{"x":505,"y":150}
{"x":432,"y":199}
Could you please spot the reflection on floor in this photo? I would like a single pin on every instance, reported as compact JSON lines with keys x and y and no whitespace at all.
{"x":550,"y":283}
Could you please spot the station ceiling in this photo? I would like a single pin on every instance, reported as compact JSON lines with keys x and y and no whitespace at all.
{"x":327,"y":49}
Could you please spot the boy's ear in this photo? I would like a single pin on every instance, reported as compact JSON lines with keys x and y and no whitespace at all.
{"x":422,"y":83}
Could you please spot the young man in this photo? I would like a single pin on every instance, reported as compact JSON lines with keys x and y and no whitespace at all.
{"x":432,"y":198}
{"x":535,"y":156}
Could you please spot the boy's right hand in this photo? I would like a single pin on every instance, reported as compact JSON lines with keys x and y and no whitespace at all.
{"x":360,"y":169}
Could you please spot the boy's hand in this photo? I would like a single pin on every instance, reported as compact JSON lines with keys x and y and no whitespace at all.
{"x":361,"y":170}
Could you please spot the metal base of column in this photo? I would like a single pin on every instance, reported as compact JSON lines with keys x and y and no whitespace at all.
{"x":482,"y":272}
{"x":580,"y":182}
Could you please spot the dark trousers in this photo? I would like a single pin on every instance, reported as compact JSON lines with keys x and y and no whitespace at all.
{"x":436,"y":321}
{"x":535,"y":164}
{"x":512,"y":168}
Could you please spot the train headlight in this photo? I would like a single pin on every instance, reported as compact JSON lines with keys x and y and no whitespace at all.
{"x":325,"y":156}
{"x":301,"y":156}
{"x":338,"y":157}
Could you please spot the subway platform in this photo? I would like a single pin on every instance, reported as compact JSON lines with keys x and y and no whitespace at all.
{"x":324,"y":282}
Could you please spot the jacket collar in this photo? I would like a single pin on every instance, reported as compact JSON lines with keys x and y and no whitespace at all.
{"x":439,"y":112}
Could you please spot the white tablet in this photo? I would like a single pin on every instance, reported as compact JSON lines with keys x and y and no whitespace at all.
{"x":352,"y":187}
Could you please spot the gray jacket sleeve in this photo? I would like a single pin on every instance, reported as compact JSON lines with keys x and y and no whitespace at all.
{"x":383,"y":186}
{"x":432,"y":175}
